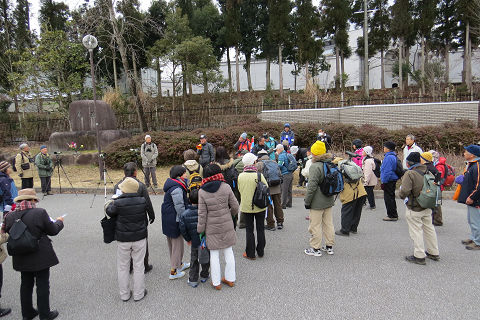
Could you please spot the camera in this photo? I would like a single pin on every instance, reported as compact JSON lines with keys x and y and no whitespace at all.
{"x":148,"y":150}
{"x":352,"y":155}
{"x":134,"y":150}
{"x":57,"y":152}
{"x":102,"y":155}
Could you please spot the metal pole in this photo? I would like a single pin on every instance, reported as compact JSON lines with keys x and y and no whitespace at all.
{"x":99,"y":148}
{"x":365,"y":51}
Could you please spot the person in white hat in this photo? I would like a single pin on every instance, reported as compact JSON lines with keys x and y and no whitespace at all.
{"x":369,"y":166}
{"x":149,"y":153}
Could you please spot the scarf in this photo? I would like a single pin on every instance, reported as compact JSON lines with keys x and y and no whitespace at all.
{"x":26,"y":204}
{"x":217,"y":177}
{"x":181,"y":183}
{"x":250,"y":168}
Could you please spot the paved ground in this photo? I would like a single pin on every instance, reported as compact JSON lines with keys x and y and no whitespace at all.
{"x":367,"y":278}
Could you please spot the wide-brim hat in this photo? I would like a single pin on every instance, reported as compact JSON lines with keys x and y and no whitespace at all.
{"x":26,"y":194}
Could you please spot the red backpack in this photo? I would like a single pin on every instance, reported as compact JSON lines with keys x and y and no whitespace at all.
{"x":449,"y":177}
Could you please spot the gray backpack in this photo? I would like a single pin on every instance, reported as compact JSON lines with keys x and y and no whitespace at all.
{"x":350,"y":170}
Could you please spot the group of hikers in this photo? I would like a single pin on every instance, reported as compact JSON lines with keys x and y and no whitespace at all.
{"x":212,"y":194}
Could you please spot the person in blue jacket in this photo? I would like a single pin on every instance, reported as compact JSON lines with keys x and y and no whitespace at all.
{"x":287,"y":184}
{"x":287,"y":134}
{"x":8,"y":190}
{"x":271,"y":144}
{"x":389,"y":180}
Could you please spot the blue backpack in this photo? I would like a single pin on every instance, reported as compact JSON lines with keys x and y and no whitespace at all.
{"x":271,"y":172}
{"x":292,"y":163}
{"x":332,"y":183}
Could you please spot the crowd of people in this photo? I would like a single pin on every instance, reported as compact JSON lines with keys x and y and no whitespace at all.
{"x":212,"y":194}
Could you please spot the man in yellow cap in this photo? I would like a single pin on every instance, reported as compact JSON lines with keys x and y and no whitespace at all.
{"x":319,"y":204}
{"x":426,"y":158}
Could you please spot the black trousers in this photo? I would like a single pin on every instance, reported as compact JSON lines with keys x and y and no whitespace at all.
{"x":370,"y":196}
{"x":389,"y":198}
{"x":257,"y":219}
{"x":351,"y":213}
{"x":46,"y":184}
{"x":27,"y":183}
{"x":195,"y":266}
{"x":42,"y":279}
{"x":301,"y":178}
{"x":1,"y":279}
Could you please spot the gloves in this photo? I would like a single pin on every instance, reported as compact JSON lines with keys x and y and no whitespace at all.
{"x":459,"y":179}
{"x":14,"y":206}
{"x":307,"y":206}
{"x":382,"y":186}
{"x":199,"y":146}
{"x":202,"y":235}
{"x":151,"y":221}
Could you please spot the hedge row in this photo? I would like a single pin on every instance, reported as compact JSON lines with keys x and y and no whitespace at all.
{"x":449,"y":138}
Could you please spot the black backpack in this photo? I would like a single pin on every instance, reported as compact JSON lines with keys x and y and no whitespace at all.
{"x":378,"y":164}
{"x":21,"y":241}
{"x":231,"y":176}
{"x":261,"y":197}
{"x":399,"y":171}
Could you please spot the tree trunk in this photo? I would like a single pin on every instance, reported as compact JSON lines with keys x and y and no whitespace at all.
{"x":400,"y":65}
{"x":237,"y":68}
{"x":249,"y":76}
{"x":280,"y":70}
{"x":137,"y":79}
{"x":382,"y":70}
{"x":337,"y":68}
{"x":205,"y":83}
{"x":295,"y":77}
{"x":190,"y":87}
{"x":115,"y":75}
{"x":159,"y":79}
{"x":307,"y":76}
{"x":184,"y":80}
{"x":446,"y":56}
{"x":268,"y":80}
{"x":229,"y":68}
{"x":422,"y":66}
{"x":343,"y":71}
{"x":406,"y":59}
{"x":468,"y":57}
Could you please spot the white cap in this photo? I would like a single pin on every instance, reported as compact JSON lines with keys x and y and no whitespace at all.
{"x":368,"y":150}
{"x":148,"y":136}
{"x":249,"y":159}
{"x":279,"y":147}
{"x":294,"y":149}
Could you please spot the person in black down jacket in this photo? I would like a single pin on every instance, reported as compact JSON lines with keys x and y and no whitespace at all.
{"x":35,"y":267}
{"x":130,"y":210}
{"x":188,"y":228}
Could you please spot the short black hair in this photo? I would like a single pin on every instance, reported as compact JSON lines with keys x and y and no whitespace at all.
{"x":129,"y":169}
{"x":193,"y":196}
{"x":211,"y":170}
{"x":177,"y":171}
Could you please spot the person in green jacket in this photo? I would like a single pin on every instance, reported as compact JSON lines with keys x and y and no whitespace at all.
{"x":44,"y":163}
{"x":320,"y":205}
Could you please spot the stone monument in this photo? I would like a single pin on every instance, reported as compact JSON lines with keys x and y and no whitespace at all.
{"x":82,"y":127}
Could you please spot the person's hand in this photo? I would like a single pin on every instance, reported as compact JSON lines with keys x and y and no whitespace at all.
{"x":189,"y":243}
{"x":202,"y":235}
{"x":60,"y":219}
{"x":21,"y":175}
{"x":469,"y":201}
{"x":151,"y":221}
{"x":307,"y":206}
{"x":382,"y":186}
{"x":14,"y":206}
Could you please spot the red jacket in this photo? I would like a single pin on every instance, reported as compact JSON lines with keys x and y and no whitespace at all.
{"x":441,"y":167}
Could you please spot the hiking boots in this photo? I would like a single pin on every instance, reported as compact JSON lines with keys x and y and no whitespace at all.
{"x":467,"y":242}
{"x":313,"y":252}
{"x":472,"y":246}
{"x":416,"y":260}
{"x":390,"y":219}
{"x":432,"y":256}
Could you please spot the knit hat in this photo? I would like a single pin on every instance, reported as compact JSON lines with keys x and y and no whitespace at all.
{"x":148,"y":136}
{"x":473,"y":149}
{"x":427,"y":156}
{"x":368,"y":150}
{"x":4,"y":165}
{"x":26,"y":194}
{"x":43,"y":147}
{"x":249,"y":159}
{"x":243,"y":135}
{"x":318,"y":148}
{"x":390,"y":145}
{"x":287,"y":125}
{"x":279,"y":147}
{"x":294,"y":149}
{"x":262,"y":152}
{"x":357,"y":143}
{"x":129,"y":185}
{"x":413,"y":157}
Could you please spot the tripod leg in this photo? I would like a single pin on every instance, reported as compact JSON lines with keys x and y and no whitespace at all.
{"x":150,"y":185}
{"x":68,"y":179}
{"x":95,"y":194}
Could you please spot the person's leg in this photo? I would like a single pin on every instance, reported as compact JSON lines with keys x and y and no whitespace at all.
{"x":145,"y":260}
{"x":474,"y":221}
{"x":43,"y":293}
{"x":229,"y":264}
{"x":177,"y":252}
{"x":270,"y":213}
{"x":315,"y":228}
{"x":301,"y":178}
{"x":138,"y":255}
{"x":242,"y":222}
{"x":43,"y":184}
{"x":205,"y":270}
{"x":429,"y":234}
{"x":437,"y":216}
{"x":124,"y":255}
{"x":277,"y":207}
{"x":153,"y":172}
{"x":250,"y":237}
{"x":260,"y":228}
{"x":194,"y":265}
{"x":357,"y":213}
{"x":26,"y":292}
{"x":24,"y":183}
{"x":389,"y":196}
{"x":285,"y":191}
{"x":328,"y":228}
{"x":215,"y":267}
{"x":30,"y":182}
{"x":290,"y":189}
{"x":415,"y":229}
{"x":1,"y":279}
{"x":147,"y":176}
{"x":371,"y":196}
{"x":347,"y":216}
{"x":49,"y":183}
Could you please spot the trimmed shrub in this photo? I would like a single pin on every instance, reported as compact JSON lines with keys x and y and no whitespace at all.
{"x":447,"y":139}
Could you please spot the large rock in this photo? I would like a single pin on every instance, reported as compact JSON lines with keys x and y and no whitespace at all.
{"x":59,"y":141}
{"x":82,"y":116}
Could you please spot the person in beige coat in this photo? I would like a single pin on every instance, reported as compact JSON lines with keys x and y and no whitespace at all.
{"x":370,"y":180}
{"x":25,"y":166}
{"x":3,"y":257}
{"x":216,"y":207}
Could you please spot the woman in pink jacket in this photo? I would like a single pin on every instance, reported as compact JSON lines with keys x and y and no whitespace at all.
{"x":357,"y":146}
{"x":370,"y":179}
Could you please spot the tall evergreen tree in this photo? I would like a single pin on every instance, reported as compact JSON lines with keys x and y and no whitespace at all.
{"x":23,"y":35}
{"x":249,"y":42}
{"x":53,"y":15}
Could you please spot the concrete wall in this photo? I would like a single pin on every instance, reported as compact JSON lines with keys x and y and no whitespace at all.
{"x":390,"y":116}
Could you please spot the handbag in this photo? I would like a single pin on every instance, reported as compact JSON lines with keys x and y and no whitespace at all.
{"x":108,"y":225}
{"x":203,"y":253}
{"x":21,"y":241}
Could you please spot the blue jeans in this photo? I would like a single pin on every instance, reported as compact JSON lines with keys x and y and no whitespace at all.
{"x":474,"y":222}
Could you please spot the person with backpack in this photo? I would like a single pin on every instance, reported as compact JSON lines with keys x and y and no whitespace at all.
{"x":271,"y":144}
{"x":325,"y":138}
{"x":357,"y":148}
{"x":35,"y":265}
{"x":238,"y":165}
{"x":469,"y":194}
{"x":419,"y":219}
{"x":216,"y":207}
{"x":188,"y":228}
{"x":389,"y":178}
{"x":410,"y":146}
{"x":447,"y":178}
{"x":273,"y":174}
{"x":149,"y":154}
{"x":254,"y":215}
{"x":130,"y":211}
{"x":24,"y":165}
{"x":301,"y":156}
{"x":259,"y":146}
{"x":371,"y":173}
{"x":230,"y":173}
{"x":288,"y":165}
{"x":175,"y":202}
{"x":8,"y":190}
{"x":287,"y":135}
{"x":319,"y":203}
{"x":44,"y":163}
{"x":3,"y":257}
{"x":206,"y":151}
{"x":243,"y":143}
{"x":191,"y":164}
{"x":426,"y":158}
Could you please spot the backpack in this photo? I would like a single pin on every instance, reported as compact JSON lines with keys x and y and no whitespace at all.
{"x":430,"y":194}
{"x":378,"y":164}
{"x":449,"y":178}
{"x":194,"y":181}
{"x":231,"y":176}
{"x":350,"y":170}
{"x":271,"y":173}
{"x":399,"y":171}
{"x":21,"y":240}
{"x":261,"y":197}
{"x":292,"y":163}
{"x":14,"y":168}
{"x":332,"y":183}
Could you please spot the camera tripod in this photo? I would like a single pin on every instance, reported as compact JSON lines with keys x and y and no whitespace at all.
{"x":105,"y":175}
{"x":58,"y":165}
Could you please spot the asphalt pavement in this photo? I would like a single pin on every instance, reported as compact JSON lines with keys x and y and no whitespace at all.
{"x":367,"y":278}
